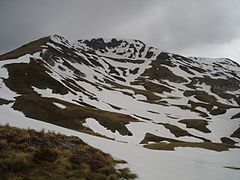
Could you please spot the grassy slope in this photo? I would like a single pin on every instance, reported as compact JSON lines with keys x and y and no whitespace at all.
{"x":27,"y":154}
{"x":29,"y":48}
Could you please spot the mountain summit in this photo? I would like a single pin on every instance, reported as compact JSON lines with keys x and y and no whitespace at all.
{"x":127,"y":98}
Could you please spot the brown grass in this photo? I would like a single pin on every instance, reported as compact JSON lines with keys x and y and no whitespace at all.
{"x":4,"y":101}
{"x":151,"y":97}
{"x":27,"y":154}
{"x":160,"y":72}
{"x":236,"y":116}
{"x":178,"y":132}
{"x":198,"y":124}
{"x":192,"y":108}
{"x":153,"y":138}
{"x":227,"y":140}
{"x":236,"y":133}
{"x":204,"y":145}
{"x":200,"y":95}
{"x":151,"y":86}
{"x":23,"y":76}
{"x":218,"y":86}
{"x":73,"y":116}
{"x":29,"y":48}
{"x":232,"y":167}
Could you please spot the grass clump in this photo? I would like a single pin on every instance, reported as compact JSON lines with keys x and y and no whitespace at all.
{"x":27,"y":154}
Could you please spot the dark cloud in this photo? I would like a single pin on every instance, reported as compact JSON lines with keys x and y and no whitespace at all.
{"x":191,"y":27}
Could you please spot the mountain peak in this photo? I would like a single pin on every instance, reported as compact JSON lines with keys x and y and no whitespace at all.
{"x":132,"y":97}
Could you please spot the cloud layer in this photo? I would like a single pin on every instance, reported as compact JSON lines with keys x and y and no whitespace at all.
{"x":190,"y":27}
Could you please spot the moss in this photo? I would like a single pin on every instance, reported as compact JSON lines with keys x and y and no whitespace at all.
{"x":197,"y":124}
{"x":27,"y":154}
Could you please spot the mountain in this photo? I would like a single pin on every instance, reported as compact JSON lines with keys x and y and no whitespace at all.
{"x":159,"y":111}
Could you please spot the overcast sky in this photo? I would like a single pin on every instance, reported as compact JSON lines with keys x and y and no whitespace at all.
{"x":209,"y":28}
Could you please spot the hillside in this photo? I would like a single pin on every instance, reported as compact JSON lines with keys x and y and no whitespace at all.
{"x":27,"y":154}
{"x":122,"y":96}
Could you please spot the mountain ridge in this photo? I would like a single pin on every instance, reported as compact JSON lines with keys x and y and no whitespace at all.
{"x":125,"y":92}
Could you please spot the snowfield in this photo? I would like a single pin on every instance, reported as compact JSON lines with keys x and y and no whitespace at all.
{"x":183,"y":163}
{"x":123,"y":91}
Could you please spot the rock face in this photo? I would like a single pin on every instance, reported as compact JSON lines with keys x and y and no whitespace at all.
{"x":125,"y":91}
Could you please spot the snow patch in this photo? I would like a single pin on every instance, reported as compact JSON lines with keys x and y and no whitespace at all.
{"x":61,"y":106}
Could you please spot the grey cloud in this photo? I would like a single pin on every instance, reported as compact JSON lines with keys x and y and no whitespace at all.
{"x":178,"y":26}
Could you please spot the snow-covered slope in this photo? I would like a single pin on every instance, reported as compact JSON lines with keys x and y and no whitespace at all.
{"x":172,"y":112}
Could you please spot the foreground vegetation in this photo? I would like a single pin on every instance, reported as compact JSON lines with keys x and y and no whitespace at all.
{"x":27,"y":154}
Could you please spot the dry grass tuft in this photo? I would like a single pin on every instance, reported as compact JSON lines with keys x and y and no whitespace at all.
{"x":27,"y":154}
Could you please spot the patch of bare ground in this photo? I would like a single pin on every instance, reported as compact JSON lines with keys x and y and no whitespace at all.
{"x":159,"y":71}
{"x":198,"y":124}
{"x":200,"y":95}
{"x":178,"y":132}
{"x":236,"y":116}
{"x":191,"y":108}
{"x":204,"y":145}
{"x":236,"y":133}
{"x":169,"y":144}
{"x":151,"y":86}
{"x":151,"y":97}
{"x":72,"y":117}
{"x":207,"y":102}
{"x":23,"y":76}
{"x":228,"y":140}
{"x":29,"y":48}
{"x":27,"y":154}
{"x":232,"y":167}
{"x":218,"y":86}
{"x":4,"y":101}
{"x":153,"y":138}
